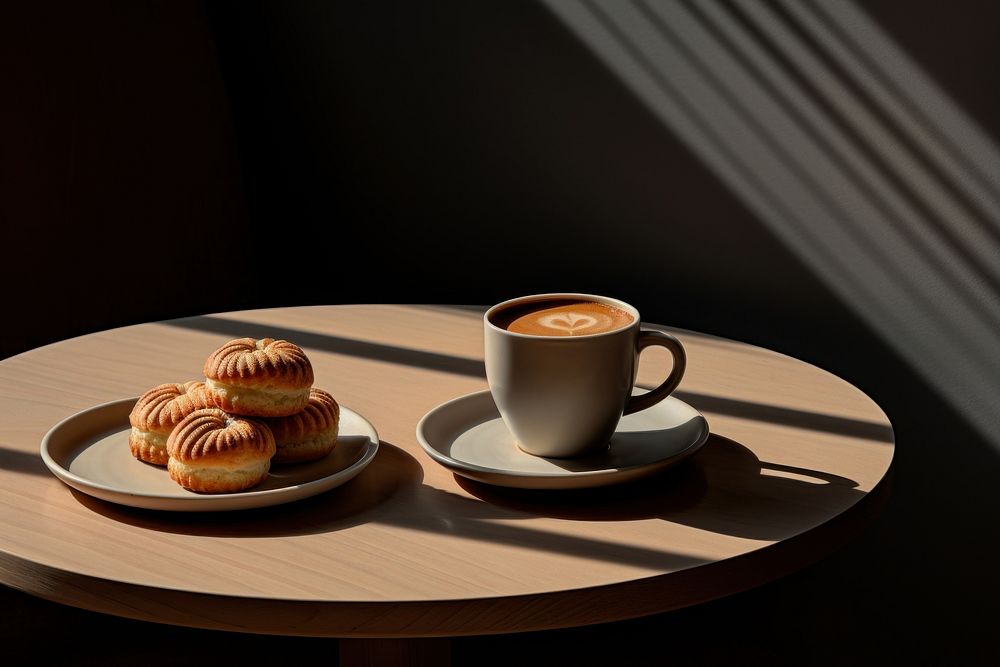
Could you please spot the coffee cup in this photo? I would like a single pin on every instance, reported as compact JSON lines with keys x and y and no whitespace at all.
{"x":561,"y":368}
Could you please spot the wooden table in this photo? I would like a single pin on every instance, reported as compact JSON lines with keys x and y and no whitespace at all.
{"x":794,"y":466}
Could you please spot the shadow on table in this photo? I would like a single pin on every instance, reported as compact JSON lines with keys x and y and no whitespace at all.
{"x":393,"y":354}
{"x":390,"y":492}
{"x":813,"y":421}
{"x":393,"y":472}
{"x":449,"y":363}
{"x":22,"y":462}
{"x":723,"y":489}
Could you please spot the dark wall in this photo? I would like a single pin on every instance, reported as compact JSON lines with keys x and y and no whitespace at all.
{"x":119,"y":170}
{"x":481,"y":151}
{"x":467,"y":152}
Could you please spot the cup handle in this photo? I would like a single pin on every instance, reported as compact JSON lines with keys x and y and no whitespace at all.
{"x":649,"y":337}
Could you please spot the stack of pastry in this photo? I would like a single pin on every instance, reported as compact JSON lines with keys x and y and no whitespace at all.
{"x":256,"y":406}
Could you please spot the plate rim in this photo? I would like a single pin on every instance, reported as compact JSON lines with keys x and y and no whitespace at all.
{"x":460,"y":466}
{"x":82,"y":484}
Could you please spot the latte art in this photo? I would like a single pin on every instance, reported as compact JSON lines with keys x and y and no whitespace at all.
{"x":562,"y":317}
{"x":570,"y":321}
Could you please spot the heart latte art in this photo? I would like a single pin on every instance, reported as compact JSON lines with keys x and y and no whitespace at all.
{"x":571,"y":322}
{"x":562,"y":318}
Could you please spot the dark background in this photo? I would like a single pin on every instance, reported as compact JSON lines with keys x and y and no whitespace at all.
{"x":170,"y":159}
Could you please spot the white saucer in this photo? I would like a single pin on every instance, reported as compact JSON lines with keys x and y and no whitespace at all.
{"x":467,"y":436}
{"x":89,"y":452}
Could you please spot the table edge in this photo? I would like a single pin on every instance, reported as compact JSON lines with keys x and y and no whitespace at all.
{"x":449,"y":618}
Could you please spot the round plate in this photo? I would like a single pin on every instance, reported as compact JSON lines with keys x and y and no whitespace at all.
{"x":467,"y":435}
{"x":89,"y":452}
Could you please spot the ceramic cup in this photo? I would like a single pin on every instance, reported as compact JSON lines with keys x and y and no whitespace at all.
{"x":563,"y":396}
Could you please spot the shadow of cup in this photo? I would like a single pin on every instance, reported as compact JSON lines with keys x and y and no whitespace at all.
{"x":724,"y":488}
{"x":674,"y":489}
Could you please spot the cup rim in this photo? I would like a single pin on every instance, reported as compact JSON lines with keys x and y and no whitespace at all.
{"x":531,"y":298}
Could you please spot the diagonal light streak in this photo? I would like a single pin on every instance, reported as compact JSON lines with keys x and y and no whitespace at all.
{"x":897,"y":210}
{"x":916,"y":104}
{"x":903,"y":164}
{"x":896,"y":230}
{"x":767,"y":106}
{"x":974,"y":243}
{"x":818,"y":160}
{"x":896,"y":117}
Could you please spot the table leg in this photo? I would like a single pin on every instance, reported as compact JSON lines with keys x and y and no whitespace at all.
{"x":432,"y":652}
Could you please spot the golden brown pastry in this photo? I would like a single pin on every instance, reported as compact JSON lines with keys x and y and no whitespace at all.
{"x":212,"y":452}
{"x":259,"y":378}
{"x":155,"y":415}
{"x":308,"y":435}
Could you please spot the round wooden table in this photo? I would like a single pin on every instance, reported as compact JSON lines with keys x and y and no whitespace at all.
{"x":794,"y":465}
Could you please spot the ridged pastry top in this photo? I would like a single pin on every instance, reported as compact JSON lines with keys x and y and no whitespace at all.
{"x":268,"y":362}
{"x":163,"y":406}
{"x":321,"y":414}
{"x":211,"y":435}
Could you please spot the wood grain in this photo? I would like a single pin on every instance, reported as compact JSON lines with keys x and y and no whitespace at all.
{"x":407,"y":549}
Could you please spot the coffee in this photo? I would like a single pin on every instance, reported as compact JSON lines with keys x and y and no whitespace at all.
{"x":562,"y":317}
{"x":562,"y":389}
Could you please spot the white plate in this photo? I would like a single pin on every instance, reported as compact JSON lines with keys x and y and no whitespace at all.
{"x":467,"y":436}
{"x":89,"y":452}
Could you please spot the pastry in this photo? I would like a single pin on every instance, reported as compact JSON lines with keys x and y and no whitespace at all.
{"x":213,"y":452}
{"x":308,"y":435}
{"x":155,"y":415}
{"x":259,"y":378}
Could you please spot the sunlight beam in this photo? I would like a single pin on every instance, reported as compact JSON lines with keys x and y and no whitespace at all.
{"x":852,"y":180}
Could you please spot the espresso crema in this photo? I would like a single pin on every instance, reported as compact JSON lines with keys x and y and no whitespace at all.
{"x":562,"y":317}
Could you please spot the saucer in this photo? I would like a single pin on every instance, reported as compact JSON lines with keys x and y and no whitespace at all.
{"x":467,"y":436}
